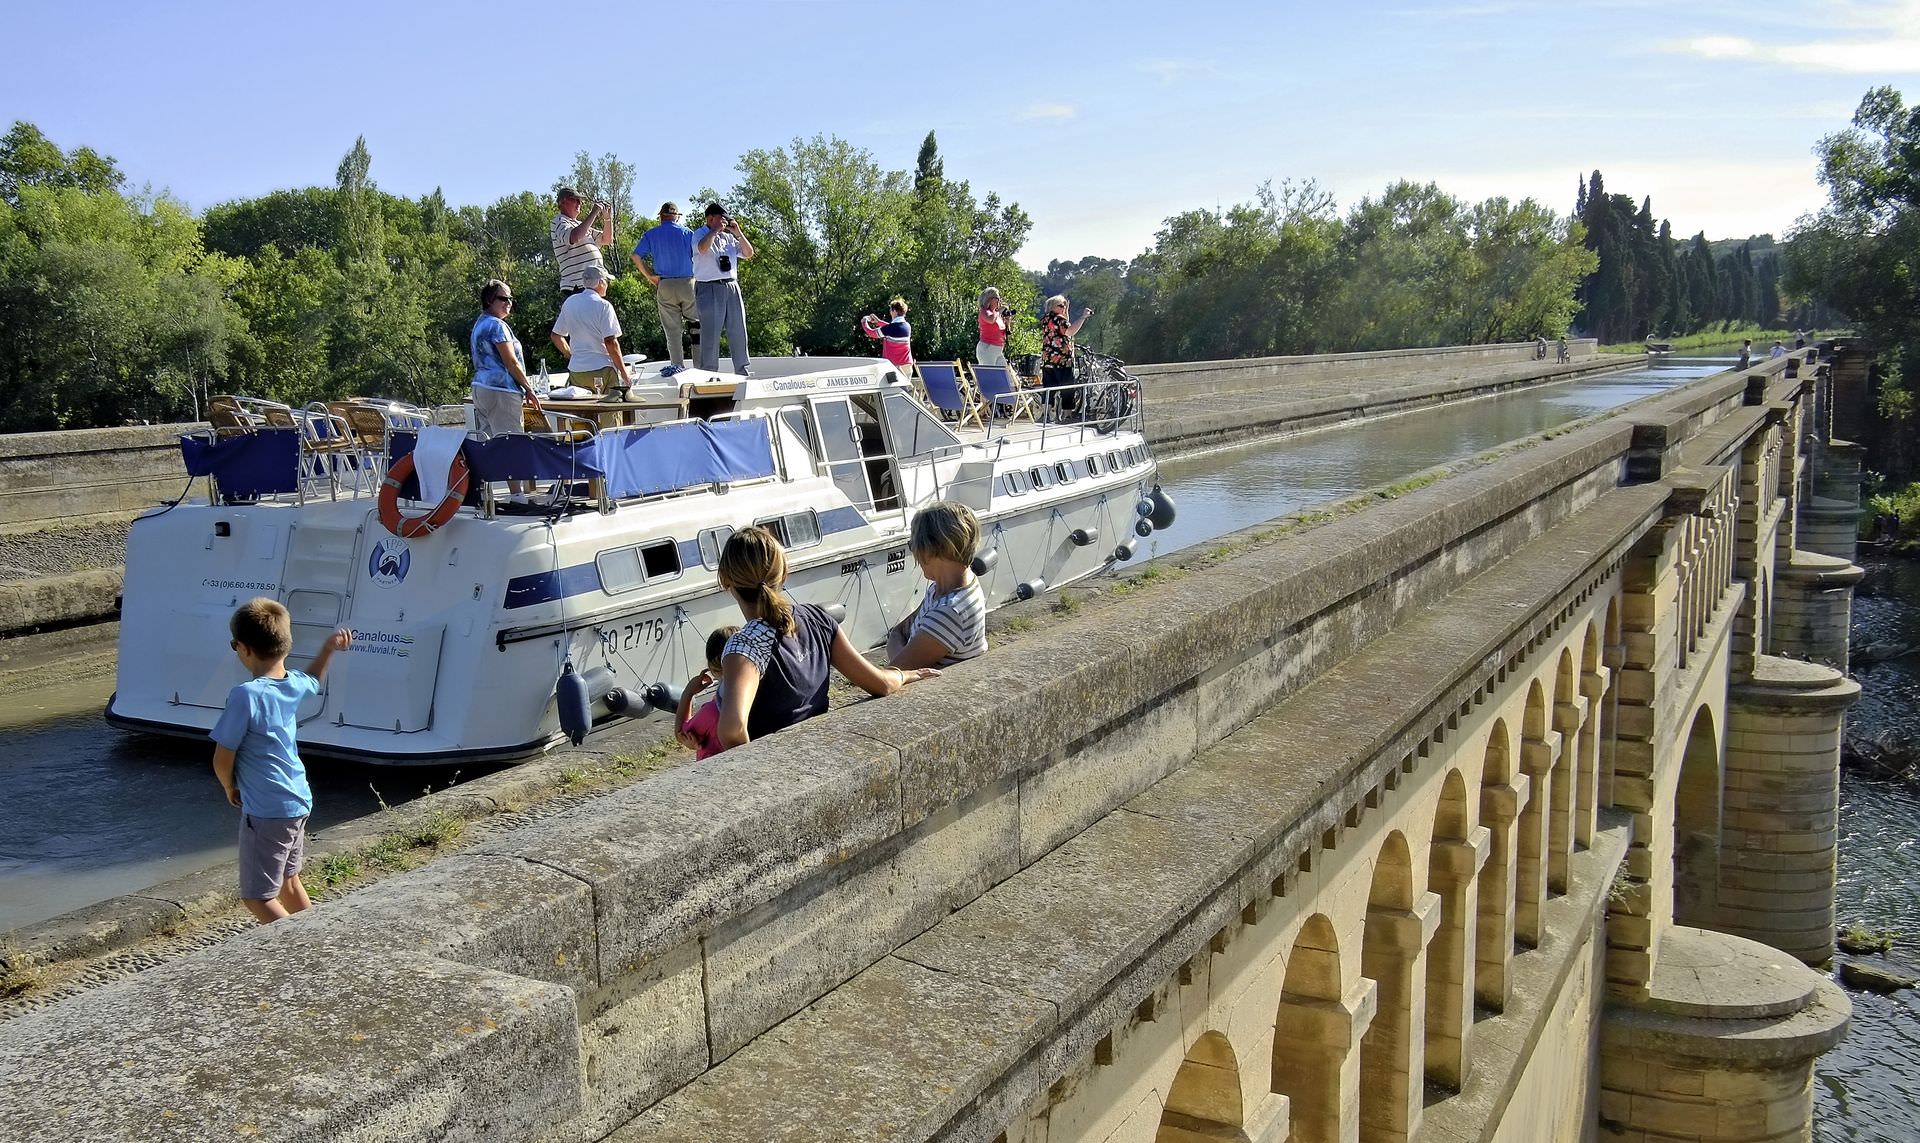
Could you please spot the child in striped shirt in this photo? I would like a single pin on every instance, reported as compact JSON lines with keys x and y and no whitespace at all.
{"x":950,"y":625}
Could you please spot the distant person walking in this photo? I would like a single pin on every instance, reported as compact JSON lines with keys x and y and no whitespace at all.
{"x":664,"y":255}
{"x":718,"y":249}
{"x":1778,"y":350}
{"x":1056,"y":352}
{"x":992,"y":347}
{"x":588,"y":332}
{"x":576,"y":241}
{"x":1560,"y":347}
{"x":257,"y":760}
{"x":1746,"y":353}
{"x":895,"y":335}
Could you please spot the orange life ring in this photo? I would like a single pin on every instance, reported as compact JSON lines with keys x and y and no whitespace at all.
{"x":408,"y":527}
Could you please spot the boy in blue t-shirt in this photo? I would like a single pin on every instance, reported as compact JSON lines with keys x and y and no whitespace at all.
{"x":258,"y":763}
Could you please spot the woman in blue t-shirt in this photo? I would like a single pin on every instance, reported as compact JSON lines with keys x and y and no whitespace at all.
{"x":774,"y":670}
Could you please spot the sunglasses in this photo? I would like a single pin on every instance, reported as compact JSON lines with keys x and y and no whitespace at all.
{"x":507,"y":300}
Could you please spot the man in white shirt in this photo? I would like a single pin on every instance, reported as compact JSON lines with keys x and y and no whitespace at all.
{"x":718,"y":250}
{"x":576,"y":241}
{"x":588,"y":332}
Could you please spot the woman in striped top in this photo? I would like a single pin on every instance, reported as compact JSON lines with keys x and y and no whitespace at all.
{"x":894,"y":335}
{"x":950,"y":625}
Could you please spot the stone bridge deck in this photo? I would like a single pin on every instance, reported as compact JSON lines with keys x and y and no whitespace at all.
{"x":1380,"y":829}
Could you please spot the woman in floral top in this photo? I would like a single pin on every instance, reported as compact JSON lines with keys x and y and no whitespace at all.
{"x":1056,"y":349}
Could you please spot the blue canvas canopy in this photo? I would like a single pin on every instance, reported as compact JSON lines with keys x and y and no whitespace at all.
{"x":258,"y":463}
{"x":661,"y":458}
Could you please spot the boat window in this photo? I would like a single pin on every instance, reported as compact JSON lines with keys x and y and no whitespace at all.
{"x":795,"y":419}
{"x":1042,"y":477}
{"x":1017,"y":483}
{"x":1133,"y":458}
{"x":840,"y":442}
{"x":1093,"y":466}
{"x":1114,"y":463}
{"x":794,"y":530}
{"x":914,"y":432}
{"x":711,"y":541}
{"x":1065,"y":471}
{"x":624,"y":569}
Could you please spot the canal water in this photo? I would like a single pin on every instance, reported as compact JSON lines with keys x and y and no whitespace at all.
{"x":87,"y":812}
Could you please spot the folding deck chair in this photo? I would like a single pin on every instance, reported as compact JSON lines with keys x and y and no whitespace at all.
{"x":948,"y":389}
{"x":1002,"y":393}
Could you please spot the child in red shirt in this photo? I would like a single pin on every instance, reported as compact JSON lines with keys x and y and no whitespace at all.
{"x":700,"y":730}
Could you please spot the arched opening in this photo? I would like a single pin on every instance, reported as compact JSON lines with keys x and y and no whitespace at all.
{"x":1587,"y":770}
{"x":1451,"y":868}
{"x":1493,"y":928}
{"x":1696,"y":826}
{"x":1538,"y":745}
{"x":1313,"y":1034}
{"x":1566,"y":700}
{"x":1392,"y":955}
{"x":1203,"y":1105}
{"x":1613,"y":655}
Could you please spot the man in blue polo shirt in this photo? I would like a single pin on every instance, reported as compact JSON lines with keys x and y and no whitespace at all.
{"x":669,"y":247}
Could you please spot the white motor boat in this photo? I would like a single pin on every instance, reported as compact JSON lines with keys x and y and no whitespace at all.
{"x":472,"y":638}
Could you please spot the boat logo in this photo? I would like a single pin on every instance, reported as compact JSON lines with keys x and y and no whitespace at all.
{"x":389,"y":562}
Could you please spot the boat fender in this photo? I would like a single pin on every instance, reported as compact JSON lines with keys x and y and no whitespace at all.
{"x":1081,"y":537}
{"x":1145,"y":507}
{"x":1123,"y":551}
{"x":983,"y":561}
{"x":1163,"y":508}
{"x":1143,"y":527}
{"x":620,"y":700}
{"x":1027,"y":589}
{"x":411,"y":527}
{"x":662,"y":697}
{"x":836,"y":611}
{"x":576,"y":714}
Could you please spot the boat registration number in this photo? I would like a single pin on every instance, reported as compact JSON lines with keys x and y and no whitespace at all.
{"x":640,"y":634}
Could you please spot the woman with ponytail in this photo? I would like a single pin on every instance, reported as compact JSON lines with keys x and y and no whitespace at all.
{"x":774,"y":670}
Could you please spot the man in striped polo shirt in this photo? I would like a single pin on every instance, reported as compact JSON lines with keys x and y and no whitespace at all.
{"x":576,"y":241}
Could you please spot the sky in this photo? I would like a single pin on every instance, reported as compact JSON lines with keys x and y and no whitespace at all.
{"x":1100,"y":119}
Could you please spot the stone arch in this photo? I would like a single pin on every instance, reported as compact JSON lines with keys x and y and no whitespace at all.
{"x":1315,"y":1032}
{"x":1539,"y":746}
{"x":1453,"y":865}
{"x":1568,"y":719}
{"x":1500,"y":794}
{"x":1696,"y":826}
{"x":1393,"y":953}
{"x":1203,"y":1105}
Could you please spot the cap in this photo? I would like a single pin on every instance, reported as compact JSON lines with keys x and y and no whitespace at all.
{"x":594,"y":274}
{"x":565,"y":193}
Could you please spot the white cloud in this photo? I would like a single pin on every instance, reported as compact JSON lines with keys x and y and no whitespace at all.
{"x":1049,"y":111}
{"x":1851,"y":57}
{"x":1171,"y":71}
{"x":1880,"y":37}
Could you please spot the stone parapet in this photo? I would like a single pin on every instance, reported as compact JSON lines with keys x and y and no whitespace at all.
{"x":51,"y":477}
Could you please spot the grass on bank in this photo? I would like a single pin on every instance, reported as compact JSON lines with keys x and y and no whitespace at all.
{"x":1763,"y":339}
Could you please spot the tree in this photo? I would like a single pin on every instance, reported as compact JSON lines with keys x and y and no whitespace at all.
{"x":1861,"y":253}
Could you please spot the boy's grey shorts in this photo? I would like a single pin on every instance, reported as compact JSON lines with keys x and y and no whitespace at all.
{"x":270,"y":852}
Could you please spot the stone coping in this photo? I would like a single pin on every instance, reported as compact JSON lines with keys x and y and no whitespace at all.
{"x":1576,"y":347}
{"x":68,"y":442}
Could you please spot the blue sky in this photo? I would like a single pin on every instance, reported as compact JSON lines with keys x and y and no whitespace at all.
{"x":1101,"y":119}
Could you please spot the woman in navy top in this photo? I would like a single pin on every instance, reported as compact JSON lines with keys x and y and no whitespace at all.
{"x":774,"y":670}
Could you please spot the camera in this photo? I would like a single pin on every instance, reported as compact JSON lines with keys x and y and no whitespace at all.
{"x":725,"y":262}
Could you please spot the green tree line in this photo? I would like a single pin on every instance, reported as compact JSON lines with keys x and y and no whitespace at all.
{"x":1290,"y":273}
{"x":120,"y":304}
